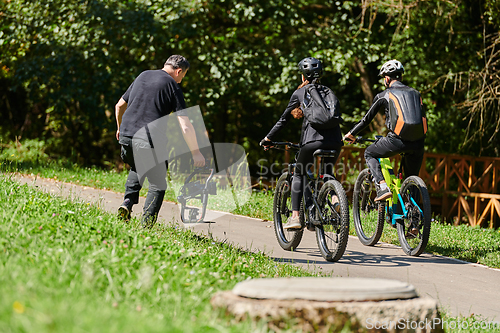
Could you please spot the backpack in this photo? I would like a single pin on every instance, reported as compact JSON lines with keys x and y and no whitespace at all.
{"x":321,"y":107}
{"x":407,"y":114}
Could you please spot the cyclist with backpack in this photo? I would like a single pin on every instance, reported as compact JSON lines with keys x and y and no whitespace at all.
{"x":406,"y":122}
{"x":320,"y":128}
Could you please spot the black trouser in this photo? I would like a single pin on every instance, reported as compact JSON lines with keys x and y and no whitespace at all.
{"x":304,"y":161}
{"x":156,"y":178}
{"x":390,"y":146}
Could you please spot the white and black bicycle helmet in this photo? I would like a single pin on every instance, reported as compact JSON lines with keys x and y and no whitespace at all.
{"x":311,"y":68}
{"x":391,"y":68}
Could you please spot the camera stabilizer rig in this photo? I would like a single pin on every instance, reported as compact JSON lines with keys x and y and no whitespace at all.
{"x":197,"y":190}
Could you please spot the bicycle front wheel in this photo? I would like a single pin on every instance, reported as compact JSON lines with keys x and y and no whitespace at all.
{"x":367,"y":213}
{"x":333,"y":233}
{"x":282,"y":210}
{"x":414,"y":229}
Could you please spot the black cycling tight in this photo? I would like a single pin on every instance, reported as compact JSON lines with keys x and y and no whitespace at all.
{"x":305,"y":160}
{"x":390,"y":146}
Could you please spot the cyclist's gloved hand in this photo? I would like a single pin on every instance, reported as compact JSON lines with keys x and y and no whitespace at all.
{"x":266,"y":143}
{"x":349,"y":138}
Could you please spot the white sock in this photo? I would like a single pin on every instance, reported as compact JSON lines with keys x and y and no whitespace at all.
{"x":383,"y":186}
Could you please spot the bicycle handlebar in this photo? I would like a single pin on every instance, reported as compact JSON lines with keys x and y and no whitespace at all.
{"x":288,"y":144}
{"x":206,"y":167}
{"x":276,"y":145}
{"x":360,"y":139}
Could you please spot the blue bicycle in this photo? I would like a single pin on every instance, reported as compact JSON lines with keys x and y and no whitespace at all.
{"x":408,"y":210}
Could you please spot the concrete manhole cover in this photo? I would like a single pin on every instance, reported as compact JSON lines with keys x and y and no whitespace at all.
{"x":325,"y":289}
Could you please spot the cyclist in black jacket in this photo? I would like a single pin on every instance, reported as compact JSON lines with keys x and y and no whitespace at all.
{"x":405,"y":119}
{"x":310,"y":139}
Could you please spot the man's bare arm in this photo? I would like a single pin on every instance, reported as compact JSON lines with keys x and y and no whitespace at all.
{"x":190,"y":136}
{"x":120,"y":108}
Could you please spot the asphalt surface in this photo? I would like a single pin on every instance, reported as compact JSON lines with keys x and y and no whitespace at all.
{"x":460,"y":288}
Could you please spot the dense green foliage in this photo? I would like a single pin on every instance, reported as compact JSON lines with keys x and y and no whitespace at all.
{"x":64,"y":64}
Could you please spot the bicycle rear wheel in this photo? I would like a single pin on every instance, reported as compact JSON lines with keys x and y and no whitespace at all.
{"x":333,"y":233}
{"x":368,"y":215}
{"x":414,"y":229}
{"x":282,"y":210}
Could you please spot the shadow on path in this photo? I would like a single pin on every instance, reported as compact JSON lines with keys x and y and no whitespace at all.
{"x":357,"y":258}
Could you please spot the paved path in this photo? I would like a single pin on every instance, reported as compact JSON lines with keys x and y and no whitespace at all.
{"x":461,"y":288}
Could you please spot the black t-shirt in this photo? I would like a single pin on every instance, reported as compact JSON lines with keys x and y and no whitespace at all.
{"x":152,"y":95}
{"x":308,"y":133}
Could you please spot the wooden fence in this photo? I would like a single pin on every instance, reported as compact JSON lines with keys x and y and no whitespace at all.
{"x":463,"y":189}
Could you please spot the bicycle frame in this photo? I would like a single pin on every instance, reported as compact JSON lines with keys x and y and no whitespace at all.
{"x":330,"y":222}
{"x":196,"y":190}
{"x":308,"y":179}
{"x":394,"y":183}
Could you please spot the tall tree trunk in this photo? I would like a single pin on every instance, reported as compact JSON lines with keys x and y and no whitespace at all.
{"x":378,"y":124}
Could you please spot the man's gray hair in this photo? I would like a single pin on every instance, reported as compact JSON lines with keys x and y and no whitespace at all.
{"x":177,"y":61}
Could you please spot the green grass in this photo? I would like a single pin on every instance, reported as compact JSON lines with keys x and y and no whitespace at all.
{"x":475,"y":245}
{"x":259,"y":206}
{"x":30,"y":159}
{"x":69,"y":172}
{"x":70,"y":265}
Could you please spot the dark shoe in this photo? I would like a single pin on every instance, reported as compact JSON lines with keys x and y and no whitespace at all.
{"x":148,"y":221}
{"x":383,"y":194}
{"x":125,"y":210}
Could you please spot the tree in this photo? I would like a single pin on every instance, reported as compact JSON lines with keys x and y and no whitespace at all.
{"x":71,"y":61}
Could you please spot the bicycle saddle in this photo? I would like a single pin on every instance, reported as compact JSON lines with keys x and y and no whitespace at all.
{"x":325,"y":153}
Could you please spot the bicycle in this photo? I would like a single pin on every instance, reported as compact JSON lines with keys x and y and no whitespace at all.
{"x":331,"y":226}
{"x":408,"y":210}
{"x":196,"y":188}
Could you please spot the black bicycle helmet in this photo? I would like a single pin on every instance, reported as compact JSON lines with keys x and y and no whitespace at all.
{"x":391,"y":68}
{"x":311,"y":68}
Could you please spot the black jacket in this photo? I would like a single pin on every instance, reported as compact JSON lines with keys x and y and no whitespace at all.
{"x":308,"y":133}
{"x":409,"y":96}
